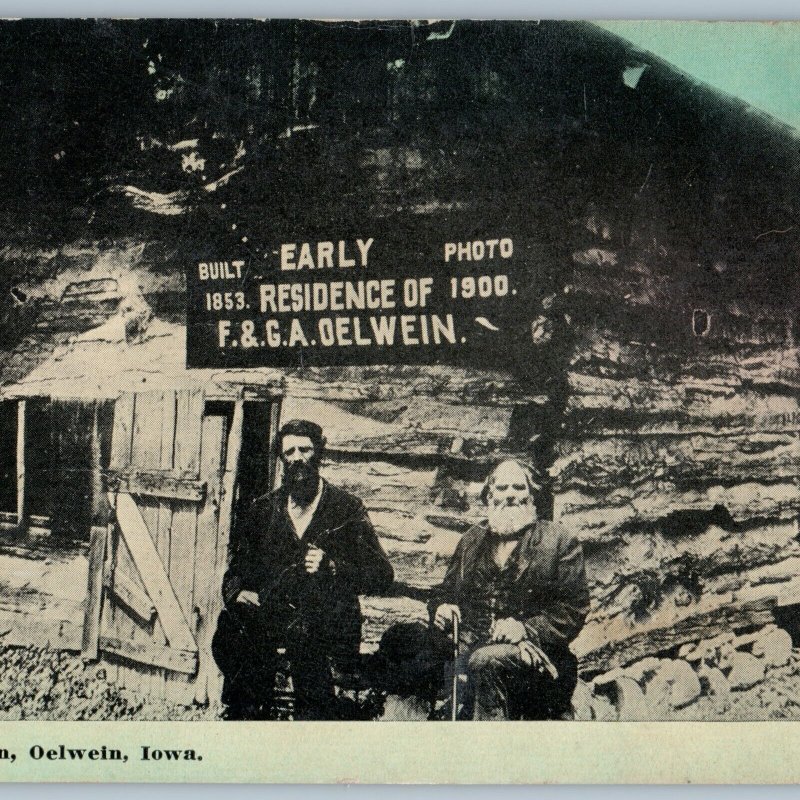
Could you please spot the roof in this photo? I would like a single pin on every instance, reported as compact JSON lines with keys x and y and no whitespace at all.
{"x":101,"y":364}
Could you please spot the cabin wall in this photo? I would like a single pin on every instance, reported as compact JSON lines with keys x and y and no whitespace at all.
{"x":657,"y":386}
{"x":675,"y":459}
{"x":681,"y":480}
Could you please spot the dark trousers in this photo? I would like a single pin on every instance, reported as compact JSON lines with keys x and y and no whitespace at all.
{"x":502,"y":686}
{"x":499,"y":684}
{"x":247,"y":653}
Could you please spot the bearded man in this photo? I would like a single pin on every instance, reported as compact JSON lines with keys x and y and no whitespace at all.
{"x":516,"y":585}
{"x":302,"y":557}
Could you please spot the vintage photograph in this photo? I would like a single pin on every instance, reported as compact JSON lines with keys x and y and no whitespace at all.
{"x":426,"y":370}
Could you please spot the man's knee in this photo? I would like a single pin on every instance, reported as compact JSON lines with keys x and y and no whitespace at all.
{"x":493,"y":657}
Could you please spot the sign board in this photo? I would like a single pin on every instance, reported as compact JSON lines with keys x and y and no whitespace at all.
{"x":355,"y":301}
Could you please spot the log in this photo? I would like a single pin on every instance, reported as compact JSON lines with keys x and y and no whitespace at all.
{"x":634,"y":406}
{"x":768,"y":365}
{"x":159,"y":483}
{"x":31,"y":630}
{"x":451,"y":384}
{"x":184,"y":661}
{"x":644,"y":507}
{"x":407,"y":445}
{"x":94,"y":601}
{"x":420,"y":427}
{"x":378,"y":483}
{"x":690,"y":629}
{"x":596,"y":466}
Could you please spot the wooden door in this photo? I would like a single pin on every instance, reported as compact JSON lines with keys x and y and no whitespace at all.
{"x":154,"y":592}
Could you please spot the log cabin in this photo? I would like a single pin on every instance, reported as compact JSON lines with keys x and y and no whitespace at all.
{"x":655,"y":384}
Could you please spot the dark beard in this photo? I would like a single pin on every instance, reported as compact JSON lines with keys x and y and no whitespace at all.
{"x":508,"y":522}
{"x":301,"y":481}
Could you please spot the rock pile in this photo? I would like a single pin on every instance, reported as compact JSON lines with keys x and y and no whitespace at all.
{"x":656,"y":688}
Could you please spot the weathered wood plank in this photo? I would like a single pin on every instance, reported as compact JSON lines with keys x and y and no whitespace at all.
{"x":163,"y":536}
{"x":160,"y":483}
{"x":122,"y":434}
{"x":146,"y":444}
{"x":22,"y":496}
{"x":202,"y":572}
{"x":189,"y":412}
{"x":111,"y":616}
{"x":274,"y":422}
{"x":122,"y":453}
{"x":171,"y":658}
{"x":189,"y":426}
{"x":94,"y":598}
{"x":122,"y":624}
{"x":183,"y":536}
{"x":134,"y":598}
{"x":163,"y":532}
{"x":166,"y":459}
{"x":152,"y":572}
{"x":213,"y":537}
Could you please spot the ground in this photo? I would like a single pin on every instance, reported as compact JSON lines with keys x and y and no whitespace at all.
{"x":42,"y":684}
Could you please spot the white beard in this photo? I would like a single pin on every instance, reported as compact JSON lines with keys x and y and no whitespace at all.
{"x":505,"y":520}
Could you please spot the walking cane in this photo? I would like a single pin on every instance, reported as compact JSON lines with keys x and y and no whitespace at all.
{"x":455,"y":667}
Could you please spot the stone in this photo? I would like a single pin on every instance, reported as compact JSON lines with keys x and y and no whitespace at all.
{"x":682,"y":597}
{"x":722,"y":657}
{"x":687,"y":649}
{"x":631,"y":703}
{"x":674,"y":686}
{"x":582,"y":702}
{"x":642,"y":671}
{"x":713,"y":682}
{"x":603,"y":709}
{"x":775,"y":647}
{"x":602,"y":682}
{"x":745,"y":671}
{"x":747,"y":639}
{"x":708,"y":649}
{"x":405,"y":709}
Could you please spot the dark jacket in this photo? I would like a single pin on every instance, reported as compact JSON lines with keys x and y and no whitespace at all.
{"x":269,"y":559}
{"x":543,"y":585}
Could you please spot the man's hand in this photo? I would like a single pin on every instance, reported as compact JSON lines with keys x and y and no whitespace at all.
{"x":536,"y":657}
{"x":508,"y":630}
{"x":531,"y":655}
{"x":444,"y":615}
{"x":314,"y":559}
{"x":248,"y":598}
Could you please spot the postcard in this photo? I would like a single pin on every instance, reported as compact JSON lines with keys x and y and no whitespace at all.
{"x":427,"y":373}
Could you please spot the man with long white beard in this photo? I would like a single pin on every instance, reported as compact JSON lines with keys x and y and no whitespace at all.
{"x":517,"y":587}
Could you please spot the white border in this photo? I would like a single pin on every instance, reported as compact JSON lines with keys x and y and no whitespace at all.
{"x":404,"y":9}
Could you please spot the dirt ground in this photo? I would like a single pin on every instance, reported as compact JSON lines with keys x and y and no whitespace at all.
{"x":42,"y":684}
